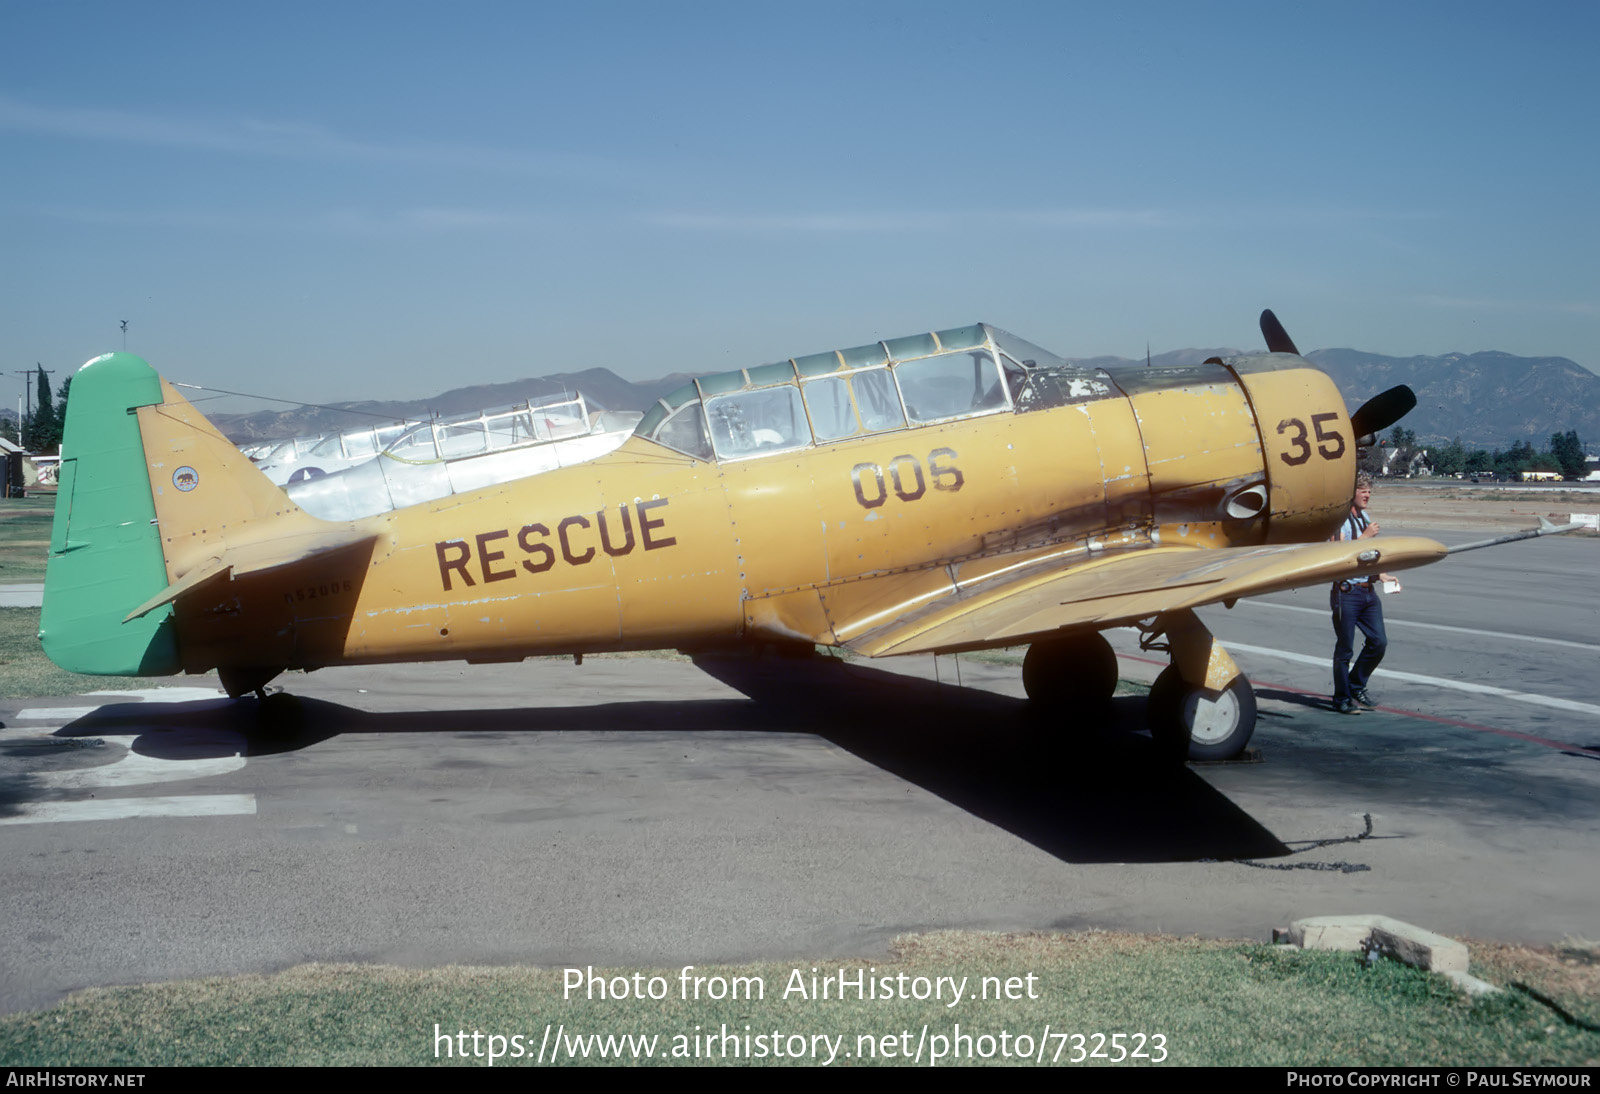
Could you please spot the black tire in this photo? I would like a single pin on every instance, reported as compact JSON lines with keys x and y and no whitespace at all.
{"x":1162,"y":714}
{"x":1078,"y":669}
{"x":1198,"y":723}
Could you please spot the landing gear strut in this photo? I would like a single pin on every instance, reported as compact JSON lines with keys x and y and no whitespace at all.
{"x":1201,"y":707}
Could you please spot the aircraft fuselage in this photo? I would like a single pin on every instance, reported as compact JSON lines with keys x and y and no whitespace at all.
{"x":648,"y":547}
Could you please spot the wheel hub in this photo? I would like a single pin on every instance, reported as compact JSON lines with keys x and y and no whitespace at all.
{"x":1212,"y":720}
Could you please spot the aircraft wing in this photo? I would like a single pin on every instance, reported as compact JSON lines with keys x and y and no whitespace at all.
{"x":1114,"y":590}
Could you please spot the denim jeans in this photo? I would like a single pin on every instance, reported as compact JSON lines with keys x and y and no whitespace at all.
{"x":1359,"y":606}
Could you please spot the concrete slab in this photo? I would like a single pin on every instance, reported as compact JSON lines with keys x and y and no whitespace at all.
{"x":1471,"y":984}
{"x":1402,"y":941}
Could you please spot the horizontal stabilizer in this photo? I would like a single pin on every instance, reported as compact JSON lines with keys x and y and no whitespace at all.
{"x":193,"y":579}
{"x":250,"y":558}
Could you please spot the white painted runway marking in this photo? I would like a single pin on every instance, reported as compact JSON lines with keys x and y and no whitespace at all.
{"x":188,"y":805}
{"x":28,"y":594}
{"x":1432,"y":681}
{"x":1435,"y":626}
{"x":184,"y":754}
{"x":177,"y":694}
{"x":28,"y":731}
{"x":55,"y":714}
{"x":136,"y":770}
{"x":137,"y":695}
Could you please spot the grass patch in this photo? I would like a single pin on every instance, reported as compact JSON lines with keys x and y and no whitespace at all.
{"x":1008,"y":655}
{"x":1214,"y":1003}
{"x":25,"y":538}
{"x":26,"y":673}
{"x":1567,"y":974}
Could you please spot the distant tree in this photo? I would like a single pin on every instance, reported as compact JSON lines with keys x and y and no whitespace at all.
{"x":62,"y":394}
{"x":1450,"y":459}
{"x":1567,"y":452}
{"x":1479,"y":461}
{"x":1518,"y":458}
{"x":44,"y":409}
{"x":45,"y":423}
{"x":44,"y":431}
{"x":8,"y":430}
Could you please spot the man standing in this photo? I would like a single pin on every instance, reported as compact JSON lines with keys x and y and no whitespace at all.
{"x":1356,"y":604}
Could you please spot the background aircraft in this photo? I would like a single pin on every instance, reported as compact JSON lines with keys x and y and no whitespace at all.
{"x":329,"y":454}
{"x":466,"y":452}
{"x":942,"y":492}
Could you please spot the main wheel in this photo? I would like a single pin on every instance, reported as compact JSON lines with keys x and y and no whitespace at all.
{"x":1200,"y":723}
{"x":1080,"y":669}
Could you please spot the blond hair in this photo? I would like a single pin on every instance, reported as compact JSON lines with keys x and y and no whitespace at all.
{"x":1363,"y":481}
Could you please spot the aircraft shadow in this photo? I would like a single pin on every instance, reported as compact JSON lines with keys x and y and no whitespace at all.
{"x":1295,"y":698}
{"x":1093,"y":791}
{"x":1090,"y":791}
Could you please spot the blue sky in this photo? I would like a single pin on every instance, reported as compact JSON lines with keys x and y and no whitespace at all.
{"x":346,"y":201}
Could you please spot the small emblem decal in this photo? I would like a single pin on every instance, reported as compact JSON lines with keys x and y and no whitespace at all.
{"x":186,"y":478}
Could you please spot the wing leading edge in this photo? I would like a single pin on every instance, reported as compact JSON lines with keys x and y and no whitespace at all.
{"x":1119,"y":589}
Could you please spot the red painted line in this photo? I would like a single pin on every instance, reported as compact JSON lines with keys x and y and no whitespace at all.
{"x":1513,"y":734}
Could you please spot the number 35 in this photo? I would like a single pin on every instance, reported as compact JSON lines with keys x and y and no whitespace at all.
{"x":1330,"y":442}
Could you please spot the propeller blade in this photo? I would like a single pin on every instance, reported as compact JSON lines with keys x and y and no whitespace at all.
{"x":1383,"y":410}
{"x":1278,"y":340}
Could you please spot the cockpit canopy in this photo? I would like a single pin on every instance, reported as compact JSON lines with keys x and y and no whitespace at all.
{"x":825,"y":397}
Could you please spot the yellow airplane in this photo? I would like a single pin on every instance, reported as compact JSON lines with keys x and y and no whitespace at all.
{"x":957,"y":490}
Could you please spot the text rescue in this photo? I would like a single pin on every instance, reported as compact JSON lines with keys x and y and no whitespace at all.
{"x":579,"y":538}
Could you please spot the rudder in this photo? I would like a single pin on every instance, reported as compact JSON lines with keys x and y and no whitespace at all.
{"x":105,"y":548}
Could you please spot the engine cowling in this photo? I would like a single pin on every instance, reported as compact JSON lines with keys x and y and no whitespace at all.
{"x":1307,"y":444}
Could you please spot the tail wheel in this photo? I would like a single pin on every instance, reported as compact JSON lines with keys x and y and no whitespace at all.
{"x":1200,"y":723}
{"x":1079,"y":669}
{"x":242,"y":681}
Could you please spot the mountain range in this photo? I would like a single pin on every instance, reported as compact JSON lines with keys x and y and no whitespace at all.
{"x":1488,"y":399}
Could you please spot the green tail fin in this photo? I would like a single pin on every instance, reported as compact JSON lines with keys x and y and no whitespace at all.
{"x":105,"y":548}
